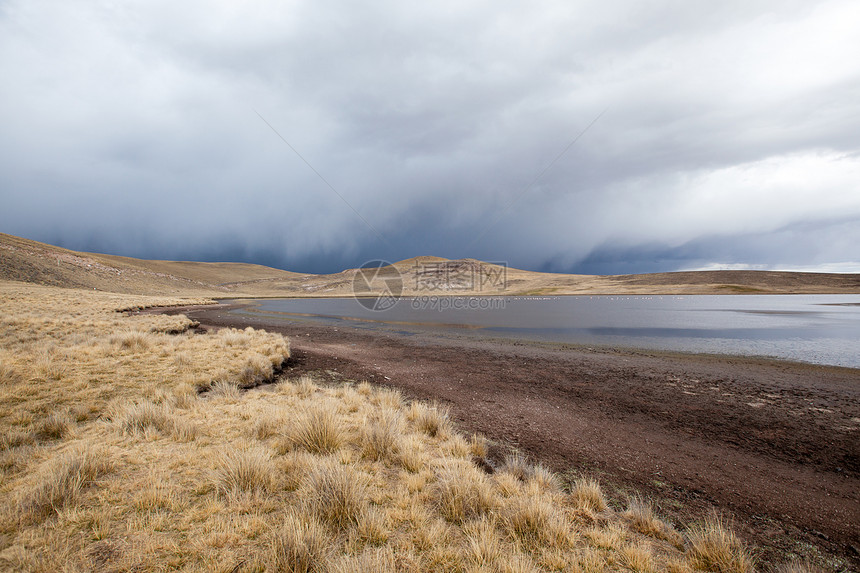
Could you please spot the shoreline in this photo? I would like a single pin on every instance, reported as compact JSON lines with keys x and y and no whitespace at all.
{"x":629,"y":343}
{"x":772,"y":444}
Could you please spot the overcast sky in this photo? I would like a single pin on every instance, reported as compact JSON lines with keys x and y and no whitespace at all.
{"x":729,"y":134}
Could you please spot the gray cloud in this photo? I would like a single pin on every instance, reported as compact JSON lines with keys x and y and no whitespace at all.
{"x":729,"y":135}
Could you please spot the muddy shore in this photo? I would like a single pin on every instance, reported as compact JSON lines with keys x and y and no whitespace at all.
{"x":773,"y":445}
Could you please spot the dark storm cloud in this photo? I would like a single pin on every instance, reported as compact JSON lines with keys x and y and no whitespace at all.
{"x":133,"y":128}
{"x":798,"y":246}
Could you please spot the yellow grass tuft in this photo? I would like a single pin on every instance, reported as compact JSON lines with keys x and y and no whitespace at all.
{"x":483,"y":541}
{"x":479,"y":446}
{"x":49,"y":367}
{"x":517,"y":465}
{"x":301,"y":545}
{"x":609,"y":538}
{"x":56,"y":426}
{"x":587,"y":494}
{"x":225,"y":389}
{"x":798,"y":566}
{"x":638,"y":558}
{"x":268,"y":424}
{"x":316,"y":429}
{"x":337,"y":494}
{"x":184,"y":395}
{"x":387,"y":398}
{"x":155,"y":493}
{"x":589,"y":560}
{"x":458,"y":447}
{"x":463,"y":492}
{"x":543,"y":480}
{"x":372,"y":527}
{"x":257,"y":370}
{"x":507,"y":484}
{"x":518,"y":563}
{"x":431,"y":419}
{"x":60,"y":481}
{"x":132,"y":340}
{"x":377,"y":560}
{"x":306,"y":386}
{"x":713,"y":546}
{"x":536,"y":523}
{"x":146,"y":416}
{"x":243,"y":469}
{"x":381,"y":435}
{"x":8,"y":375}
{"x":411,"y":453}
{"x":641,"y":515}
{"x":142,"y":416}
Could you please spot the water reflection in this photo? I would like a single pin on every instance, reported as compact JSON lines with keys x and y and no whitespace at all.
{"x":812,"y":328}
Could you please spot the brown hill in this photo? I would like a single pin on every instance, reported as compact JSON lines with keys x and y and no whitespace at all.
{"x":30,"y":261}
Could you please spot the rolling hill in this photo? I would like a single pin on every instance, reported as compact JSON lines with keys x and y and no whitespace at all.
{"x":33,"y":262}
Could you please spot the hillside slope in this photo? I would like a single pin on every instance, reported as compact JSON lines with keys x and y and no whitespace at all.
{"x":33,"y":262}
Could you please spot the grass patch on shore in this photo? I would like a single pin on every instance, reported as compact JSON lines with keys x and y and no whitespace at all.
{"x":132,"y":442}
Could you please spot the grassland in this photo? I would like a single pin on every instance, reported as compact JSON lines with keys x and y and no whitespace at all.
{"x":133,"y":442}
{"x":139,"y":442}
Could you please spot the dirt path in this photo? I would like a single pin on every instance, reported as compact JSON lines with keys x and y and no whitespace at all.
{"x":775,"y":445}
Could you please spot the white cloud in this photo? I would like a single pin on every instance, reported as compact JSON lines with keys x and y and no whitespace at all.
{"x":848,"y":267}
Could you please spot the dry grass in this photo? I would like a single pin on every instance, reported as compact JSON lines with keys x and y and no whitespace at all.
{"x":642,"y":518}
{"x":381,"y":560}
{"x":638,"y":557}
{"x":536,"y":523}
{"x":463,"y":493}
{"x":587,"y":494}
{"x":56,"y":426}
{"x":337,"y":494}
{"x":479,"y":446}
{"x":60,"y":481}
{"x":195,"y":472}
{"x":244,"y":469}
{"x":609,"y":538}
{"x":713,"y":546}
{"x":143,"y":416}
{"x":317,"y":430}
{"x":224,"y":389}
{"x":301,"y":545}
{"x":797,"y":566}
{"x":518,"y":466}
{"x":432,"y":419}
{"x":381,"y":435}
{"x":411,"y":454}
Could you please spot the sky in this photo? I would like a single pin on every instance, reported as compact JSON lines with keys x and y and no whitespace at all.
{"x":602,"y":137}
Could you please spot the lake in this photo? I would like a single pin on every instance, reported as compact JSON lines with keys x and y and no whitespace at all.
{"x":821,"y":329}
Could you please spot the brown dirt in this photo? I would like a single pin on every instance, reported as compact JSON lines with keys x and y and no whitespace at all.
{"x":774,"y":445}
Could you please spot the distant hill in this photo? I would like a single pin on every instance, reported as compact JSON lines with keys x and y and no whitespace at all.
{"x":34,"y":262}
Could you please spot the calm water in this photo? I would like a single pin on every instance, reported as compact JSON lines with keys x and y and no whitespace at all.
{"x":822,"y":329}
